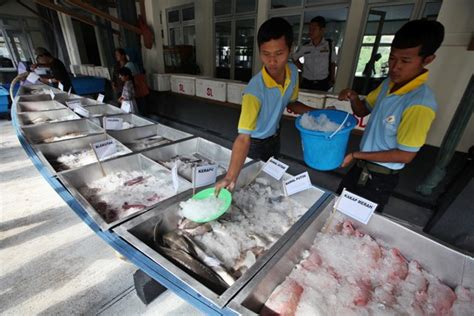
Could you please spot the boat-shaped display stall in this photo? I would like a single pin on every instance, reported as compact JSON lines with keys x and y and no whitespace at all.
{"x":240,"y":263}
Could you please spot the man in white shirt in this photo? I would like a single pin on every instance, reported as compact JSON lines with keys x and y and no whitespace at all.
{"x":319,"y":58}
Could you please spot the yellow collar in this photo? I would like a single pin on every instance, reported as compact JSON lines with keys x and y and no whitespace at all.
{"x":271,"y":83}
{"x":411,"y":85}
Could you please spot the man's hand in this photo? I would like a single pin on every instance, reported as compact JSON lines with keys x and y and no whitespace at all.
{"x":347,"y":160}
{"x":227,"y":183}
{"x":348,"y":95}
{"x":297,"y":107}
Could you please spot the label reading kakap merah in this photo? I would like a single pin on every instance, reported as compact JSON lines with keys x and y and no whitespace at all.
{"x":355,"y":206}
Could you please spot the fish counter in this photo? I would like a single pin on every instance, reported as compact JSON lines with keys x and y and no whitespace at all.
{"x":264,"y":255}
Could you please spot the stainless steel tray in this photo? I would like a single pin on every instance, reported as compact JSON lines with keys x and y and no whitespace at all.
{"x":452,"y":267}
{"x":36,"y":89}
{"x":54,"y":115}
{"x":130,"y":136}
{"x":139,"y":233}
{"x":48,"y":153}
{"x":89,"y":102}
{"x":204,"y":148}
{"x":35,"y":106}
{"x":100,"y":110}
{"x":133,"y":119}
{"x":37,"y":134}
{"x":75,"y":179}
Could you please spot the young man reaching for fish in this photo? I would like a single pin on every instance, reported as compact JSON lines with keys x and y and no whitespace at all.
{"x":264,"y":100}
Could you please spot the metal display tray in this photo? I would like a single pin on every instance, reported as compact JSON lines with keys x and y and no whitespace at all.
{"x":48,"y":153}
{"x":35,"y":106}
{"x":209,"y":150}
{"x":37,"y":89}
{"x":451,"y":266}
{"x":59,"y":115}
{"x":139,"y":233}
{"x":36,"y":134}
{"x":128,"y":136}
{"x":99,"y":110}
{"x":73,"y":180}
{"x":127,"y":117}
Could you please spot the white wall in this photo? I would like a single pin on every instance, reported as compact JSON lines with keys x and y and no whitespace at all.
{"x":452,"y":69}
{"x":203,"y":19}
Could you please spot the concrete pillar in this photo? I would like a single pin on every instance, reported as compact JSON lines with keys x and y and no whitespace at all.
{"x":69,"y":38}
{"x":204,"y":36}
{"x":262,"y":15}
{"x":354,"y":31}
{"x":452,"y":69}
{"x":153,"y":60}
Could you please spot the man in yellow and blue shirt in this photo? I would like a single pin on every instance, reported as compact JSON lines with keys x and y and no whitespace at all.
{"x":402,"y":109}
{"x":264,"y":100}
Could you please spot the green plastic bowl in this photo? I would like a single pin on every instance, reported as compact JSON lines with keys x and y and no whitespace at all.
{"x":224,"y":195}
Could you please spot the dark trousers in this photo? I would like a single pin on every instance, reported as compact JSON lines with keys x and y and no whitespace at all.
{"x":378,"y":188}
{"x":321,"y":85}
{"x":263,"y":149}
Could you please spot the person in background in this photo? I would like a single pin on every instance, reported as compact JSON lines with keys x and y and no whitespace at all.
{"x":58,"y":72}
{"x":127,"y":99}
{"x":121,"y":60}
{"x":265,"y":98}
{"x":141,"y":88}
{"x":319,"y":67}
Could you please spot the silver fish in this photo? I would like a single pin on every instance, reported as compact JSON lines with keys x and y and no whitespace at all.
{"x":212,"y":262}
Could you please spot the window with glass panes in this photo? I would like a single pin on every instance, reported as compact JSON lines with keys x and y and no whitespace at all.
{"x":181,"y":29}
{"x":234,"y":37}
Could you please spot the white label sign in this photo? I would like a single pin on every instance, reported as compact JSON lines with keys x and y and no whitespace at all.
{"x":112,"y":123}
{"x":32,"y":77}
{"x":298,"y":183}
{"x":60,"y":86}
{"x":73,"y":104}
{"x":81,"y":111}
{"x":355,"y":206}
{"x":126,"y":106}
{"x":100,"y":98}
{"x":275,"y":168}
{"x":105,"y":148}
{"x":204,"y":175}
{"x":174,"y":177}
{"x":51,"y":93}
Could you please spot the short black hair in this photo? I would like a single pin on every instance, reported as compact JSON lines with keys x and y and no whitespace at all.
{"x":125,"y":71}
{"x":273,"y":29}
{"x":321,"y":21}
{"x":427,"y":34}
{"x":121,"y":51}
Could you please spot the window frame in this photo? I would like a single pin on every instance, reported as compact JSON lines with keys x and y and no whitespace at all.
{"x":233,"y":17}
{"x":180,"y":24}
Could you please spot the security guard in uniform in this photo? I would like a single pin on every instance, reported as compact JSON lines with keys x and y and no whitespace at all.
{"x":319,"y":58}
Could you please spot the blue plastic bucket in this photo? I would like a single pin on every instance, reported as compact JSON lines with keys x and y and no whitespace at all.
{"x":326,"y":150}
